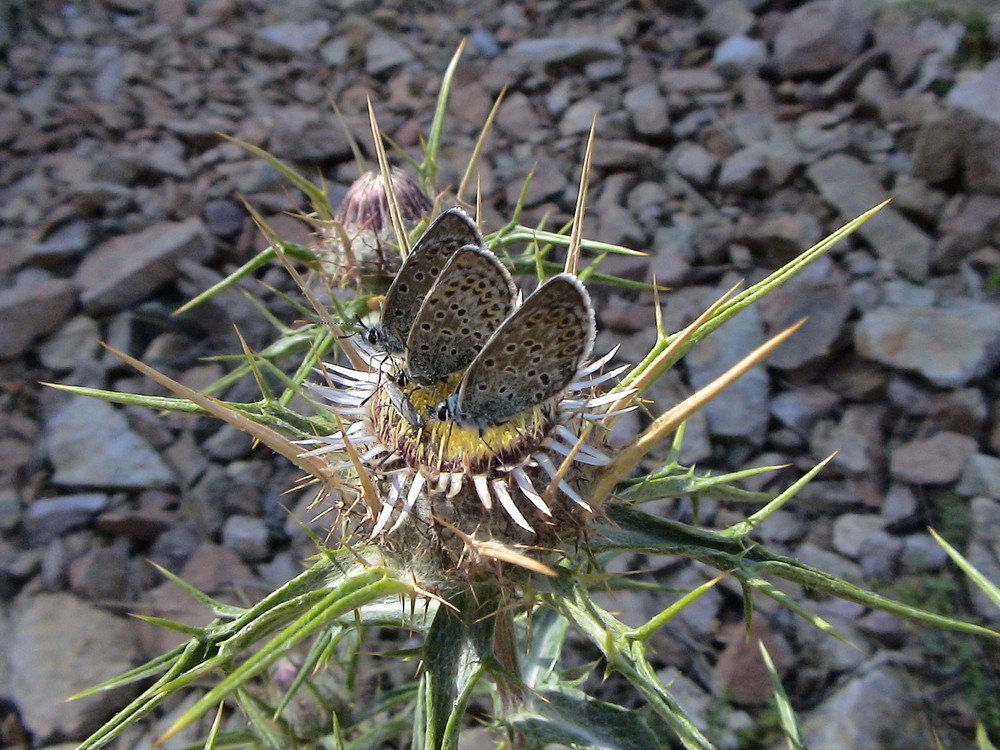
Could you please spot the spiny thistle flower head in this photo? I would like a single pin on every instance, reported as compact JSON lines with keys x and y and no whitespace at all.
{"x":359,"y":244}
{"x":471,"y":416}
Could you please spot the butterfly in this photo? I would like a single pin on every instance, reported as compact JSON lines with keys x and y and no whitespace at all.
{"x":450,"y":231}
{"x":532,"y":357}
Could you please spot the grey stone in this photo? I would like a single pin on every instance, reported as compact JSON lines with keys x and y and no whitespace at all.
{"x":900,"y":503}
{"x":781,"y":237}
{"x":829,"y":562}
{"x":741,"y":410}
{"x":875,"y":710}
{"x":247,"y":536}
{"x":857,"y":439}
{"x":671,"y":256}
{"x":280,"y":570}
{"x":101,"y":574}
{"x":565,"y":49}
{"x":650,"y":203}
{"x":91,"y":445}
{"x":938,"y":459}
{"x":701,"y":616}
{"x":383,"y":53}
{"x":617,"y":225}
{"x":957,"y":139}
{"x":691,"y":80}
{"x":127,"y":269}
{"x":851,"y":530}
{"x":549,"y":181}
{"x":801,"y":408}
{"x":821,"y":36}
{"x":72,"y":345}
{"x":916,"y":197}
{"x":726,"y":19}
{"x":224,"y":218}
{"x":783,"y":526}
{"x":484,"y":42}
{"x":876,"y":91}
{"x":47,"y":518}
{"x":32,"y":310}
{"x":904,"y":294}
{"x":604,"y":70}
{"x":517,"y":117}
{"x":948,"y":346}
{"x":744,"y":171}
{"x":894,"y":33}
{"x":840,"y":85}
{"x":976,"y":95}
{"x":579,"y":116}
{"x":848,"y":185}
{"x":964,"y":410}
{"x":293,"y":37}
{"x":336,"y":52}
{"x":66,"y":242}
{"x":817,"y":294}
{"x":623,"y":155}
{"x":879,"y":555}
{"x":739,"y":56}
{"x":228,"y":443}
{"x":650,"y":115}
{"x":981,"y":476}
{"x":307,"y":135}
{"x":968,"y":225}
{"x":695,"y":163}
{"x":666,"y":392}
{"x":10,"y":510}
{"x":59,"y":645}
{"x":922,"y":554}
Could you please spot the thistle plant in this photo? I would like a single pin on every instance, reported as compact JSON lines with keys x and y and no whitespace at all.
{"x":484,"y":531}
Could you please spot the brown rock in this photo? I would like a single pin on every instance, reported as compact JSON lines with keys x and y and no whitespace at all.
{"x":29,"y":311}
{"x":740,"y":674}
{"x":818,"y":294}
{"x":948,"y":346}
{"x":126,"y":269}
{"x":820,"y":36}
{"x":935,"y":460}
{"x":57,"y":646}
{"x":975,"y":224}
{"x":851,"y":187}
{"x":858,"y":440}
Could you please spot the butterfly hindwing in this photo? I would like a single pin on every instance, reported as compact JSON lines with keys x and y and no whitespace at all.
{"x":532,"y":357}
{"x":473,"y":295}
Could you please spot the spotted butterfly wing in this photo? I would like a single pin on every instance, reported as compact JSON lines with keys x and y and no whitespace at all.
{"x":471,"y":298}
{"x":533,"y":356}
{"x":446,"y":234}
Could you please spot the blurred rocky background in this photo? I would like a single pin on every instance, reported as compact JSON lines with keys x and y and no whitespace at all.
{"x":732,"y":134}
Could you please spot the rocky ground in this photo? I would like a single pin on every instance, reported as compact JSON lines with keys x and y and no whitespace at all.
{"x":732,"y":135}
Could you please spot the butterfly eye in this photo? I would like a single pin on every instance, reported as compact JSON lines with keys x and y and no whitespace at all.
{"x":441,"y":411}
{"x":371,"y":336}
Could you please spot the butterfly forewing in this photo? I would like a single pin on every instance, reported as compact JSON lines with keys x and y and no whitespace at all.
{"x":446,"y":234}
{"x":471,"y":298}
{"x":533,"y":356}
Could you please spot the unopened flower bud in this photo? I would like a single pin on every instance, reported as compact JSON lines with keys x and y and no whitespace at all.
{"x":361,"y":246}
